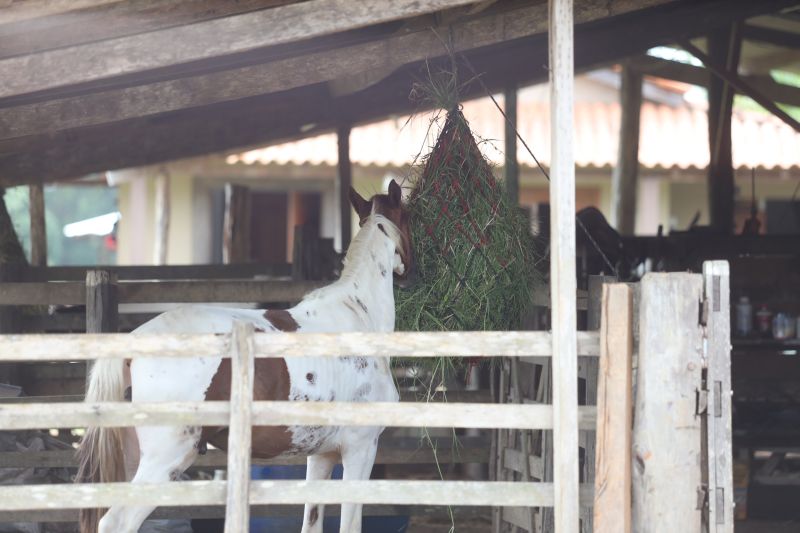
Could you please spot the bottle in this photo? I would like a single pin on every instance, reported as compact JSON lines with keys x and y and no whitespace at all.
{"x":744,"y":317}
{"x":764,"y":322}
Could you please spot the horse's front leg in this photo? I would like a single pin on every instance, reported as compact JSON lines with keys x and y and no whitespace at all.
{"x":357,"y":460}
{"x":317,"y":467}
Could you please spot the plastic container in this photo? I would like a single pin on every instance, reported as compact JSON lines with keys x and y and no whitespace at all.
{"x":744,"y":317}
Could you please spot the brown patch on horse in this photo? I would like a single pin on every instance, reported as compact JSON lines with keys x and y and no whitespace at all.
{"x":270,"y":383}
{"x":282,"y":320}
{"x":313,"y":516}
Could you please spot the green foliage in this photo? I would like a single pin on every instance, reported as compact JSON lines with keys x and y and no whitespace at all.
{"x":476,"y":257}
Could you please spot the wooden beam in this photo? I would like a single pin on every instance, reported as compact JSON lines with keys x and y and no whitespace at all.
{"x":203,"y":40}
{"x":73,"y":23}
{"x":724,"y":46}
{"x":761,"y":34}
{"x":612,"y":494}
{"x":673,"y":70}
{"x":563,"y":281}
{"x":344,"y":179}
{"x":731,"y":77}
{"x":282,"y":116}
{"x":624,"y":179}
{"x":512,"y":165}
{"x":38,"y":117}
{"x":102,"y":302}
{"x":38,"y":225}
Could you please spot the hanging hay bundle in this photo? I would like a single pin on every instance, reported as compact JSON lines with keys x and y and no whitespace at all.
{"x":476,"y":258}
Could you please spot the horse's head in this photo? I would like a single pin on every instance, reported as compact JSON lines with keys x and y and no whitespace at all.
{"x":390,"y":206}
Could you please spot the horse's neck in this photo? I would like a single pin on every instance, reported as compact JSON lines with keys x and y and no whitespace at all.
{"x":366,"y":286}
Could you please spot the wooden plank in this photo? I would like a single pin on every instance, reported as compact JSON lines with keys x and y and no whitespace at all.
{"x":203,"y":40}
{"x":612,"y":497}
{"x":237,"y":508}
{"x":67,"y":111}
{"x":66,"y":347}
{"x":344,"y":179}
{"x":667,"y":429}
{"x":511,"y":170}
{"x":38,"y":226}
{"x":241,"y":291}
{"x":17,"y":11}
{"x":33,"y":29}
{"x":160,"y":272}
{"x":563,"y":283}
{"x":716,"y":276}
{"x":461,"y":493}
{"x":624,"y":178}
{"x":445,"y":415}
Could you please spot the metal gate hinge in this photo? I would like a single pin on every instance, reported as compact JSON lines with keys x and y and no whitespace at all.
{"x":704,"y":312}
{"x":702,"y":497}
{"x":702,"y":402}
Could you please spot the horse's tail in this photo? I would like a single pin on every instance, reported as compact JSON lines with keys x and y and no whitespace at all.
{"x":100,"y":455}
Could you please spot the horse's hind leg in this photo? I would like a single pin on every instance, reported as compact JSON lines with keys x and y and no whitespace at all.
{"x":318,"y":467}
{"x":357,"y":461}
{"x":165,"y":452}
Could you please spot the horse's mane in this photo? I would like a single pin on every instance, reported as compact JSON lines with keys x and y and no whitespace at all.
{"x":359,"y":247}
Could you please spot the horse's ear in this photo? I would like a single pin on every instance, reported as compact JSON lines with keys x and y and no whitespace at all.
{"x":395,"y":194}
{"x":362,"y":207}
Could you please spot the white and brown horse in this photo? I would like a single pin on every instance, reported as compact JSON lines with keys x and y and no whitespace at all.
{"x":361,"y":300}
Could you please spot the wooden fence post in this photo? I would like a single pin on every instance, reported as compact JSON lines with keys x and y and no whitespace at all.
{"x":563,"y":280}
{"x":719,"y":463}
{"x":612,"y":496}
{"x":237,"y":511}
{"x":666,"y":477}
{"x":102,"y":306}
{"x":38,"y":226}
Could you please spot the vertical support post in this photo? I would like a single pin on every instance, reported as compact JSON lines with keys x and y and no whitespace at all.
{"x":588,"y":371}
{"x":38,"y":227}
{"x":612,"y":495}
{"x":667,"y":436}
{"x":625,"y":176}
{"x":236,"y":225}
{"x":724,"y":46}
{"x":162,"y":218}
{"x":343,"y":184}
{"x":237,"y":511}
{"x":512,"y":165}
{"x":716,"y":276}
{"x":102,"y":308}
{"x":563,"y":282}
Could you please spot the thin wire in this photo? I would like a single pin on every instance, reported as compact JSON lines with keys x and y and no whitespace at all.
{"x":544,"y":172}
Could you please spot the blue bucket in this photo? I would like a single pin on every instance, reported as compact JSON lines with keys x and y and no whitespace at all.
{"x":369,"y":524}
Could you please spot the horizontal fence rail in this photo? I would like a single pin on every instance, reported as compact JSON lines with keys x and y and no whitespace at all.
{"x":188,"y":493}
{"x":74,"y":293}
{"x":445,"y":415}
{"x":66,"y":347}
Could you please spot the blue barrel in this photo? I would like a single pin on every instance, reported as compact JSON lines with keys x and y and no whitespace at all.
{"x":370,"y":524}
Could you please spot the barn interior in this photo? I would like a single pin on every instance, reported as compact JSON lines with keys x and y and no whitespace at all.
{"x":167,"y":100}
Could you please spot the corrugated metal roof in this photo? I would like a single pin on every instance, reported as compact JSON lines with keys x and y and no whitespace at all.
{"x":671,"y":137}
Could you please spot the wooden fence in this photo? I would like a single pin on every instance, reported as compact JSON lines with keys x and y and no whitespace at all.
{"x":681,"y":408}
